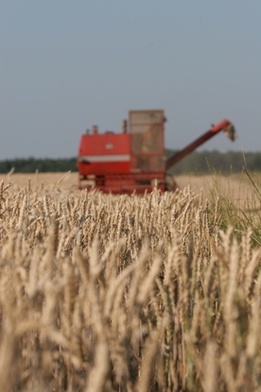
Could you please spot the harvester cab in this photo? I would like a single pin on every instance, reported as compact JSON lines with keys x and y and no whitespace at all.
{"x":134,"y":160}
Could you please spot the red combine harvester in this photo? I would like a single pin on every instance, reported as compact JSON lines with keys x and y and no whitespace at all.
{"x":134,"y":160}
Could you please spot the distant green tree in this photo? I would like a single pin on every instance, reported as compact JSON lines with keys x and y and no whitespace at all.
{"x":195,"y":163}
{"x":30,"y":165}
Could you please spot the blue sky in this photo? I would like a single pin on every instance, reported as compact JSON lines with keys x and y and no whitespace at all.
{"x":68,"y":64}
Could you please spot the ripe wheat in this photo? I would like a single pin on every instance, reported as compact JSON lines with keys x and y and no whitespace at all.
{"x":125,"y":293}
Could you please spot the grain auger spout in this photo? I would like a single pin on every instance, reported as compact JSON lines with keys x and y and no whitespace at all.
{"x":225,"y":125}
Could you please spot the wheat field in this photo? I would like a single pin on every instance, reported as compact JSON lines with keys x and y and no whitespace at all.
{"x":128,"y":293}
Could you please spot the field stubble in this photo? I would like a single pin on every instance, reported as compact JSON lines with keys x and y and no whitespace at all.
{"x":126,"y":293}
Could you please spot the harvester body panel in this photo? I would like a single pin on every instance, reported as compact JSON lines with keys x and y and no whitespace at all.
{"x":147,"y":140}
{"x":104,"y":154}
{"x":128,"y":161}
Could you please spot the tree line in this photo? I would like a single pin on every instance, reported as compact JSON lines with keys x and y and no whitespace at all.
{"x":196,"y":163}
{"x":31,"y":165}
{"x":204,"y":162}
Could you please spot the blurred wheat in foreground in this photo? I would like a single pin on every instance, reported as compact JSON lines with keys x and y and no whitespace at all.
{"x":127,"y":293}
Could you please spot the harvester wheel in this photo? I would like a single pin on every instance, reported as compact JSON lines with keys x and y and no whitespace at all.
{"x":171,"y":183}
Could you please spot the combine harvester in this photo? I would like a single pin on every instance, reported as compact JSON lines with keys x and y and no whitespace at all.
{"x":134,"y":160}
